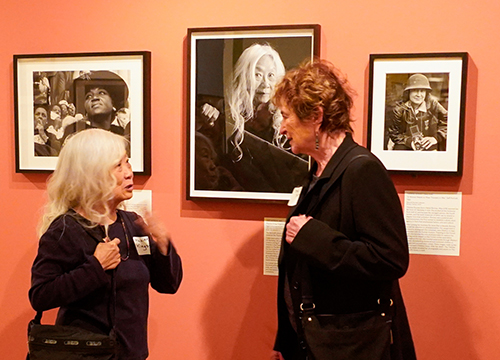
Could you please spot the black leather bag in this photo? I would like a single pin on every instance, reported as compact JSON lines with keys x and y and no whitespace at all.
{"x":57,"y":342}
{"x":359,"y":336}
{"x":355,"y":336}
{"x":60,"y":342}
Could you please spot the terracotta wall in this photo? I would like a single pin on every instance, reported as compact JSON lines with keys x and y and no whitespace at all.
{"x":225,"y":308}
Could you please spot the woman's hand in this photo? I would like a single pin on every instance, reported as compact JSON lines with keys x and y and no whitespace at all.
{"x":211,"y":113}
{"x":157,"y":230}
{"x":428,"y":141}
{"x":276,"y":355}
{"x":294,"y":226}
{"x":108,"y":254}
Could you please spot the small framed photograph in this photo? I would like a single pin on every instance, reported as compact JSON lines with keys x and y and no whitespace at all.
{"x":234,"y":148}
{"x":57,"y":95}
{"x":416,"y":111}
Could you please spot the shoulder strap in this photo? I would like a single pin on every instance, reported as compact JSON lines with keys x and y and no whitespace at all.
{"x":307,"y":294}
{"x":112,"y":308}
{"x":337,"y":173}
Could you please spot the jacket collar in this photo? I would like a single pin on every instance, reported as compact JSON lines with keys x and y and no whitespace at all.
{"x":332,"y":170}
{"x":95,"y":231}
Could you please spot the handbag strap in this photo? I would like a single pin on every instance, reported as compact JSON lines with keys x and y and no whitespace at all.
{"x":112,"y":306}
{"x":307,"y":305}
{"x":112,"y":302}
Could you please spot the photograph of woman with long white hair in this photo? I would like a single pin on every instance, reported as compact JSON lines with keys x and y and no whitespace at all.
{"x":255,"y":74}
{"x":256,"y":154}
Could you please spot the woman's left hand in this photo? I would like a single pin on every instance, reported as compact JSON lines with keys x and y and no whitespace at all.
{"x":294,"y":226}
{"x":157,"y":230}
{"x":428,"y":141}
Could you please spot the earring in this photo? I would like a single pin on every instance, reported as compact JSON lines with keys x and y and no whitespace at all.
{"x":317,"y":141}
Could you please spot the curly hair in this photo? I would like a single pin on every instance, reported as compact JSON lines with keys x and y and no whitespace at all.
{"x":313,"y":85}
{"x":83,"y":176}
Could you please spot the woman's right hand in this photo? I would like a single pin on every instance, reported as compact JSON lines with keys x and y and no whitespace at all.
{"x":210,"y":113}
{"x":276,"y":355}
{"x":108,"y":254}
{"x":294,"y":226}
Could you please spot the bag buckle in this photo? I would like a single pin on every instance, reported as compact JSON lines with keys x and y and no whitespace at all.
{"x":386,"y":308}
{"x":312,"y":307}
{"x":390,"y":302}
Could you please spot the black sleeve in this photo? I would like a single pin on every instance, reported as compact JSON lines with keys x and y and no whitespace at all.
{"x":165,"y":270}
{"x":65,"y":269}
{"x":380,"y":249}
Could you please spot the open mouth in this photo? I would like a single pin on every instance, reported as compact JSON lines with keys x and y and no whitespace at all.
{"x":129,"y":187}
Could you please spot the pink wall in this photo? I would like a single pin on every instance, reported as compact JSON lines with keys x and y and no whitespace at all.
{"x":225,"y":308}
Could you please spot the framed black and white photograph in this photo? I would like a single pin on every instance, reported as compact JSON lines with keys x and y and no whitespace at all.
{"x":234,"y":148}
{"x":416,"y":111}
{"x":57,"y":95}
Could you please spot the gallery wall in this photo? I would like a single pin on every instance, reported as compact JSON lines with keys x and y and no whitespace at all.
{"x":225,"y":308}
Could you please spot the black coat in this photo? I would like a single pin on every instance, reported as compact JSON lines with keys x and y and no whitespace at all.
{"x":355,"y":247}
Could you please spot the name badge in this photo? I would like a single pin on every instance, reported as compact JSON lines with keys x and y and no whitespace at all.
{"x":142,"y":245}
{"x":295,"y":196}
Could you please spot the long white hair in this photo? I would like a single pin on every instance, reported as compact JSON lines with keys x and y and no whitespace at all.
{"x":83,"y":176}
{"x":244,"y":85}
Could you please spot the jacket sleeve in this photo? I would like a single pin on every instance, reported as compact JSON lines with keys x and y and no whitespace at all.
{"x":64,"y":270}
{"x":165,"y":270}
{"x":377,"y":248}
{"x":442,"y":118}
{"x":397,"y":130}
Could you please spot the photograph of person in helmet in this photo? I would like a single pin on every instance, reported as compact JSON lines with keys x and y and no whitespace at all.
{"x":416,"y":112}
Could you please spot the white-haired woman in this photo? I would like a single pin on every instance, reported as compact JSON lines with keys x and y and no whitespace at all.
{"x":86,"y":241}
{"x":256,"y":165}
{"x":256,"y":72}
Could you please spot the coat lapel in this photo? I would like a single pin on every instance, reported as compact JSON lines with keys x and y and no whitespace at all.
{"x":336,"y":166}
{"x":338,"y":163}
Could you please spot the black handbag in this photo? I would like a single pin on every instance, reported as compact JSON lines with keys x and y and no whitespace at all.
{"x":356,"y":336}
{"x":60,"y":342}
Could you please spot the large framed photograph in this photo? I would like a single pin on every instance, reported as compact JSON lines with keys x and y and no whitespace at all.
{"x":57,"y":95}
{"x":416,"y":111}
{"x":234,"y":148}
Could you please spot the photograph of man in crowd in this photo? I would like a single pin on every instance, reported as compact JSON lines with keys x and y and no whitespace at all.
{"x":77,"y":100}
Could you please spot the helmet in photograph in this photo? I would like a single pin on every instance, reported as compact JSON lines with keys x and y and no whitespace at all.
{"x":418,"y":81}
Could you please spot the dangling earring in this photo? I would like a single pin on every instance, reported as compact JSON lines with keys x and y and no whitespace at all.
{"x":317,"y":141}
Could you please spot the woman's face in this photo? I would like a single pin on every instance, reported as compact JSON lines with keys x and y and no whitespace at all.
{"x":98,"y":101}
{"x":265,"y":77}
{"x":300,"y":134}
{"x":55,"y":116}
{"x":206,"y":174}
{"x":55,"y":113}
{"x":41,"y":116}
{"x":71,"y":110}
{"x":124,"y":180}
{"x":417,"y":96}
{"x":64,"y":111}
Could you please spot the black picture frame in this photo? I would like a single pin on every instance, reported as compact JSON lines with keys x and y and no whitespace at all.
{"x":57,"y":83}
{"x":395,"y":136}
{"x":258,"y":169}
